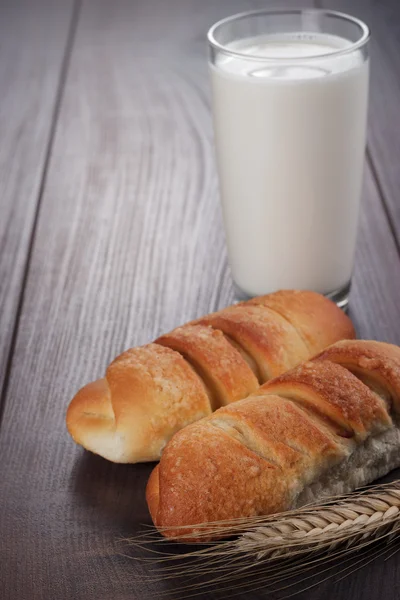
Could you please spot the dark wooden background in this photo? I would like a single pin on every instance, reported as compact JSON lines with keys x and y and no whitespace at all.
{"x":110,"y":233}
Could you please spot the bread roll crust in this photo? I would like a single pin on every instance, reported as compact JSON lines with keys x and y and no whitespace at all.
{"x":270,"y":339}
{"x":334,"y":392}
{"x":269,"y":452}
{"x":316,"y":320}
{"x":152,"y":391}
{"x":228,"y":375}
{"x":375,"y":363}
{"x":182,"y":502}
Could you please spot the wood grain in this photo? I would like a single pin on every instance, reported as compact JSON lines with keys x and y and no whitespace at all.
{"x":384,"y":125}
{"x":374,"y":306}
{"x":33,"y":40}
{"x":129,"y":243}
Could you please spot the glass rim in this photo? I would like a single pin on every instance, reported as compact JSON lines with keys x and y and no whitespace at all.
{"x":365,"y":33}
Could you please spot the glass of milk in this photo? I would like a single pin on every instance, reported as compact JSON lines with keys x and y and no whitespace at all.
{"x":290,"y":93}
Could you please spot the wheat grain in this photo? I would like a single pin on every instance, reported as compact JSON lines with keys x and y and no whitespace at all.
{"x":324,"y":528}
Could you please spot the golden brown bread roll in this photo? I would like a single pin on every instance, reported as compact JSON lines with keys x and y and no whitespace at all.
{"x":326,"y":427}
{"x":150,"y":392}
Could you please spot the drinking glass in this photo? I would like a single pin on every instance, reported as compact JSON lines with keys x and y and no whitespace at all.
{"x":289,"y":96}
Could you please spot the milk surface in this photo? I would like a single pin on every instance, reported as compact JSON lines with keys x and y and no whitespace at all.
{"x":290,"y":140}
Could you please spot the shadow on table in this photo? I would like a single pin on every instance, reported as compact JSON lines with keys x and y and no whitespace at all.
{"x":114,"y":491}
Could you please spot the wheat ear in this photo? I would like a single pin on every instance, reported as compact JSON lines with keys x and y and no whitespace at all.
{"x":325,"y":528}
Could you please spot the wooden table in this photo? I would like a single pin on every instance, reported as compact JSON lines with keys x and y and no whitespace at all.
{"x":110,"y":233}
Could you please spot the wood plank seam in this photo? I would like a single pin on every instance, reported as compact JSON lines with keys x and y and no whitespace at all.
{"x":54,"y":119}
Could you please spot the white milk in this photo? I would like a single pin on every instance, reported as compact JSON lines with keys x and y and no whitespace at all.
{"x":290,"y":142}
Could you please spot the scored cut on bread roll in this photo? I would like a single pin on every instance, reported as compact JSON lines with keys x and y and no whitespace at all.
{"x":323,"y":428}
{"x":151,"y":392}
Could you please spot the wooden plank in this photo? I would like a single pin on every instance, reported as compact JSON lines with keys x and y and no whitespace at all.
{"x":33,"y":42}
{"x":129,"y":244}
{"x":374,"y":305}
{"x":384,"y":131}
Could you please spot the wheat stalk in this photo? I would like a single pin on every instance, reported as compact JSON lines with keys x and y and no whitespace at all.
{"x":277,"y":548}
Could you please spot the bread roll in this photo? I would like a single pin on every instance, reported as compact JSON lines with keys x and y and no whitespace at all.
{"x":325,"y":427}
{"x":150,"y":392}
